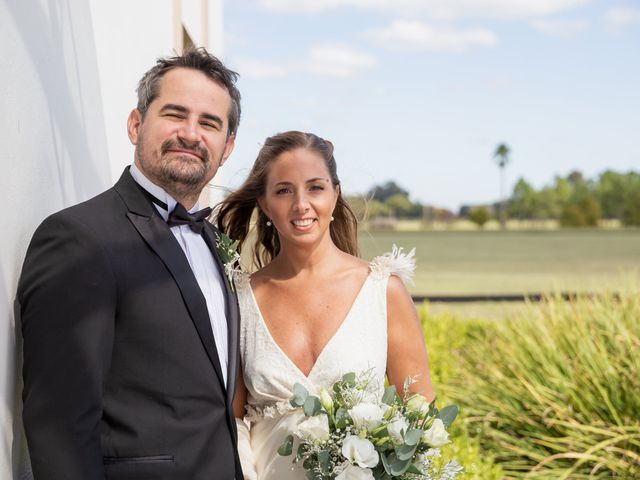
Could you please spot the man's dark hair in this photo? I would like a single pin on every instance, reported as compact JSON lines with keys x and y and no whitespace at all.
{"x":197,"y":59}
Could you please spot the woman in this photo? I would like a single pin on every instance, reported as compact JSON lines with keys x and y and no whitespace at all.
{"x":313,"y":311}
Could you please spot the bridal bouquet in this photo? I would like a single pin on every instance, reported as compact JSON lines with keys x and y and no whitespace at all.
{"x":350,"y":433}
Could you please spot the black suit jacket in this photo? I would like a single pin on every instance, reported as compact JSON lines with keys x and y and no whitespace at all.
{"x":121,"y":374}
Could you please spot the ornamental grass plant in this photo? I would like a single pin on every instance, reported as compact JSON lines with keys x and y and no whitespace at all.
{"x":552,"y":393}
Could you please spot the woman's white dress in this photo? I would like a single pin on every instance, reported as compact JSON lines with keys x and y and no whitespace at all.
{"x":359,"y":344}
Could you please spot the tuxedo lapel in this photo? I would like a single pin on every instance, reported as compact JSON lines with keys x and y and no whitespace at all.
{"x":159,"y":237}
{"x":233,"y":314}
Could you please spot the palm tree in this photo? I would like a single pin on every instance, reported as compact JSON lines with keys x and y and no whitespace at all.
{"x":502,"y":159}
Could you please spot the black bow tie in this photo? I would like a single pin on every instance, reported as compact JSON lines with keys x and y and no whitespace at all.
{"x":195,"y":220}
{"x":180,"y":216}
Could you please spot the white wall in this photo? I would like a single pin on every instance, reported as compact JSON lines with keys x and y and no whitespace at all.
{"x":69,"y":70}
{"x":52,"y":154}
{"x":129,"y":36}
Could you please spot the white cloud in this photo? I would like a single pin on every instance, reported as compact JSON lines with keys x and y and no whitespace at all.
{"x":248,"y":67}
{"x":439,"y":9}
{"x":328,"y":59}
{"x":621,"y":17}
{"x":416,"y":35}
{"x":561,"y":28}
{"x":337,"y":60}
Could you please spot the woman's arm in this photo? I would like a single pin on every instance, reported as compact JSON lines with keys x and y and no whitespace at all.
{"x":244,"y":436}
{"x":240,"y":398}
{"x":407,"y":353}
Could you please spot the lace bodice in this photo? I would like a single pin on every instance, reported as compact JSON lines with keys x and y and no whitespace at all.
{"x":359,"y":344}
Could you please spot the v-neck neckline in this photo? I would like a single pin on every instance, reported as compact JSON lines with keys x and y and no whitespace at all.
{"x":326,"y":345}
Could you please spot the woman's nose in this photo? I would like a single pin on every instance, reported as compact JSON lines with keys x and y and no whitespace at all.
{"x":301,"y":205}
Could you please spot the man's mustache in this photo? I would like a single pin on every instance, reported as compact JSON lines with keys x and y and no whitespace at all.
{"x":179,"y":144}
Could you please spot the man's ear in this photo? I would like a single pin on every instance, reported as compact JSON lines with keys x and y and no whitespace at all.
{"x":228,"y":148}
{"x":134,"y":122}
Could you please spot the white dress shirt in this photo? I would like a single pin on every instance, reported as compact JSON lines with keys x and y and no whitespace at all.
{"x":202,"y":263}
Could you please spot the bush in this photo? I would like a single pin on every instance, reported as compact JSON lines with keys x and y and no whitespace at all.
{"x":479,"y":216}
{"x":445,"y":337}
{"x":584,"y":213}
{"x":631,"y":212}
{"x":552,"y":393}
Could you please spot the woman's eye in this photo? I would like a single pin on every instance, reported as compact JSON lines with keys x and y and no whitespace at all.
{"x":317,"y":187}
{"x":282,"y":191}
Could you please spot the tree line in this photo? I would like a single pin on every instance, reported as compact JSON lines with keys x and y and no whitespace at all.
{"x":573,"y":200}
{"x":577,"y":201}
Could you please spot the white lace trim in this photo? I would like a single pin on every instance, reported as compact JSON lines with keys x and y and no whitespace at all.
{"x":240,"y":278}
{"x":267,"y":410}
{"x":395,"y":262}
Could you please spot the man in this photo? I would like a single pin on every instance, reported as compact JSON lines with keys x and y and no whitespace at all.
{"x":130,"y":326}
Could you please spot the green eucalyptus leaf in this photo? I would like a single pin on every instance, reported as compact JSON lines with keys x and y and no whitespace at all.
{"x":396,"y":466}
{"x":349,"y":379}
{"x":414,"y":469}
{"x":405,"y":452}
{"x":385,"y":463}
{"x":389,"y":396}
{"x":342,"y":418}
{"x":448,"y":415}
{"x":312,"y":406}
{"x":286,"y":447}
{"x":300,"y":395}
{"x":303,"y":448}
{"x":323,"y":460}
{"x":413,"y":436}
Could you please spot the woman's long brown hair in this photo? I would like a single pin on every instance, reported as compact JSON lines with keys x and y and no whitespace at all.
{"x":234,"y":213}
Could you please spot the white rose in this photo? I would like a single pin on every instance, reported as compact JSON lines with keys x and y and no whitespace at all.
{"x":395,"y":429}
{"x":314,"y":428}
{"x":437,"y":435}
{"x":355,"y":473}
{"x":417,"y":403}
{"x":360,"y":451}
{"x":366,"y":415}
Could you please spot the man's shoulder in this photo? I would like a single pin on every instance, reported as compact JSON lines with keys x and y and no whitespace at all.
{"x":93,"y":211}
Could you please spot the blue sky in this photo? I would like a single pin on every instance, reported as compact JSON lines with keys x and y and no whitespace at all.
{"x":422,"y":91}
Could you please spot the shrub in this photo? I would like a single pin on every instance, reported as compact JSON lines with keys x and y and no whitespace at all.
{"x":552,"y":393}
{"x":445,"y":336}
{"x":479,"y":216}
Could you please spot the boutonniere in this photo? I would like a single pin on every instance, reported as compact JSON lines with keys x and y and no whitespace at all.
{"x":228,"y":252}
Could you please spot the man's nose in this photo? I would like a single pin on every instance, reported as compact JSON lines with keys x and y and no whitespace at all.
{"x":189,"y":130}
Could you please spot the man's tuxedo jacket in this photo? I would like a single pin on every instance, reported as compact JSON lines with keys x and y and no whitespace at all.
{"x":121,"y":375}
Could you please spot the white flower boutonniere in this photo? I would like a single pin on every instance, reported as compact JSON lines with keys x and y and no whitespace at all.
{"x":227,"y":251}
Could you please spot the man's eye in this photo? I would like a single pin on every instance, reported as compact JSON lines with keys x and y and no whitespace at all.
{"x":209,"y":125}
{"x":173,"y":115}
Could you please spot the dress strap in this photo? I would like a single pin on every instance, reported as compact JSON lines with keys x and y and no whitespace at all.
{"x":241,"y":279}
{"x":395,"y":262}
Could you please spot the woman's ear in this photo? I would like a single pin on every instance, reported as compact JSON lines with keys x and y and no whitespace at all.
{"x":261,"y":206}
{"x":337,"y":190}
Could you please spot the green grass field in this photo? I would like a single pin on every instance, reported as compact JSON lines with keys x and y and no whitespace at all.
{"x":494,"y":262}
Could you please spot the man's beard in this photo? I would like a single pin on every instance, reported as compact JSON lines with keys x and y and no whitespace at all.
{"x":182,"y":174}
{"x":184,"y":170}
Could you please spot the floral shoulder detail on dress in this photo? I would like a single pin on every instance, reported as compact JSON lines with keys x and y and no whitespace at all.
{"x":395,"y":262}
{"x":241,"y":278}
